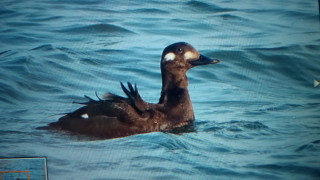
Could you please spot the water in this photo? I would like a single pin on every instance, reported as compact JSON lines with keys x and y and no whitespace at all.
{"x":23,"y":168}
{"x":257,"y":112}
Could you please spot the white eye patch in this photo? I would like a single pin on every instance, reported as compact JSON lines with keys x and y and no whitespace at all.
{"x":190,"y":55}
{"x":169,"y":57}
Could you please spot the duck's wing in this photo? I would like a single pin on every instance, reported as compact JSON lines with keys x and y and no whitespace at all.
{"x":135,"y":99}
{"x":113,"y":105}
{"x":112,"y":116}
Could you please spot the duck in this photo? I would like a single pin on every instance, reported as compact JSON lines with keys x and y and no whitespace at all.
{"x":116,"y":116}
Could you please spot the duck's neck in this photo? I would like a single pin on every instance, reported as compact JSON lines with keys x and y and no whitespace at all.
{"x":175,"y":96}
{"x":176,"y":79}
{"x":175,"y":83}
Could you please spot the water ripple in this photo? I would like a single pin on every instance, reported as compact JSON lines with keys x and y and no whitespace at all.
{"x":206,"y":7}
{"x":96,"y":28}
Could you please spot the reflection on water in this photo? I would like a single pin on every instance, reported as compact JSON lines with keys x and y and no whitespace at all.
{"x":257,"y":112}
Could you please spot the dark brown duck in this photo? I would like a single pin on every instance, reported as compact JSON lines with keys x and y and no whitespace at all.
{"x":116,"y":116}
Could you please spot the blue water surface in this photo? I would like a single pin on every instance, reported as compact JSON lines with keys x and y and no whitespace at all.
{"x":23,"y":168}
{"x":257,"y":112}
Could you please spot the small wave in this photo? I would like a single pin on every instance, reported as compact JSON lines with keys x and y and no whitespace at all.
{"x":247,"y":125}
{"x":20,"y":39}
{"x":310,"y":147}
{"x":284,"y":107}
{"x":56,"y":57}
{"x":237,"y":129}
{"x":4,"y":11}
{"x":9,"y":93}
{"x":81,"y":2}
{"x":287,"y":169}
{"x":112,"y":51}
{"x":276,"y":49}
{"x":6,"y":100}
{"x":45,"y":47}
{"x":205,"y":7}
{"x":4,"y":52}
{"x":313,"y":47}
{"x":39,"y":87}
{"x":297,"y":14}
{"x":241,"y":77}
{"x":230,"y":173}
{"x":23,"y":24}
{"x":96,"y":28}
{"x":89,"y":61}
{"x":150,"y":157}
{"x":167,"y":31}
{"x":237,"y":19}
{"x":149,"y":11}
{"x":46,"y":19}
{"x":291,"y":69}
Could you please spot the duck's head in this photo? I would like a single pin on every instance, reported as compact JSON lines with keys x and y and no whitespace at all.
{"x":182,"y":56}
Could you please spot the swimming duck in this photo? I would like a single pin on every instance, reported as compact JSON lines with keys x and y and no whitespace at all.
{"x":115,"y":116}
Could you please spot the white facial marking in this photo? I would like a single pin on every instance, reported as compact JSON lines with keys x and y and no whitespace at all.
{"x":190,"y":55}
{"x":85,"y":116}
{"x":169,"y":57}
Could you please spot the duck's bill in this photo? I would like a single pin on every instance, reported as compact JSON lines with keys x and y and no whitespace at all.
{"x":203,"y":60}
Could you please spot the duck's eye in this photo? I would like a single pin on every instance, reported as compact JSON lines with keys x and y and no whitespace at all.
{"x":180,"y":50}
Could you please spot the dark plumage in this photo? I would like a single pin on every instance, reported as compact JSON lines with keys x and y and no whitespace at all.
{"x":116,"y":116}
